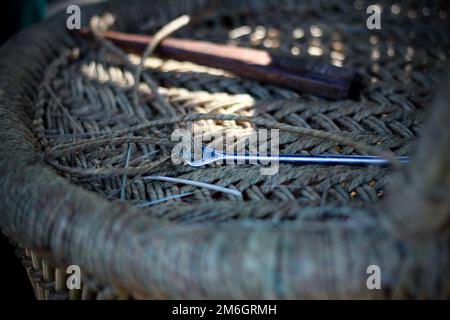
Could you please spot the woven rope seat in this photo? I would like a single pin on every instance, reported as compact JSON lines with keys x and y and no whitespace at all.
{"x":75,"y":150}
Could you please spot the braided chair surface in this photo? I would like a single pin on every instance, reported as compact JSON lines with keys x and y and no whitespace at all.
{"x":75,"y":150}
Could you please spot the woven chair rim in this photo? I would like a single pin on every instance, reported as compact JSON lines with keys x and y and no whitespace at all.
{"x":114,"y":242}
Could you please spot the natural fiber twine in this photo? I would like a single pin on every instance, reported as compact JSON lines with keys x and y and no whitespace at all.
{"x":75,"y":148}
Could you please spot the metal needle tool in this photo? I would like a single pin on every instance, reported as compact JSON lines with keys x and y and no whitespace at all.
{"x":210,"y":155}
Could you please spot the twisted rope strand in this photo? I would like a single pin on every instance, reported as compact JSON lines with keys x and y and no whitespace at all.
{"x":361,"y":147}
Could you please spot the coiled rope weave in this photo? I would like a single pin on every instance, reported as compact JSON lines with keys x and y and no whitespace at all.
{"x":307,"y":232}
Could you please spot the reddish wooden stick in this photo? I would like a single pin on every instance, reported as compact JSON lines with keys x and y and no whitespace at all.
{"x":299,"y":74}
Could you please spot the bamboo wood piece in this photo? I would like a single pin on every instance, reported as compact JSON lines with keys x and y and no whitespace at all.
{"x":48,"y":274}
{"x":60,"y":280}
{"x":75,"y":294}
{"x":307,"y":76}
{"x":36,"y":260}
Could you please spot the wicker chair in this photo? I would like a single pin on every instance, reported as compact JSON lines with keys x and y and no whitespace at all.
{"x":71,"y":196}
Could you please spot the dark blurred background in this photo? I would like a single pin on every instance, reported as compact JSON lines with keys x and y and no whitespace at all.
{"x":19,"y":14}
